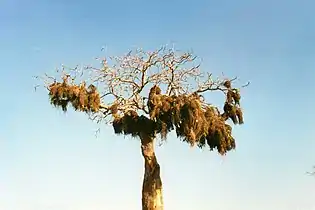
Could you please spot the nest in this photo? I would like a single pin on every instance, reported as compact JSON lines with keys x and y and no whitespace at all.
{"x":232,"y":109}
{"x":132,"y":124}
{"x":227,"y":84}
{"x":194,"y":122}
{"x":81,"y":98}
{"x":219,"y":134}
{"x":190,"y":121}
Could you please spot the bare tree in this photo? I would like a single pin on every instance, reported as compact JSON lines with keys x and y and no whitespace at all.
{"x":145,"y":94}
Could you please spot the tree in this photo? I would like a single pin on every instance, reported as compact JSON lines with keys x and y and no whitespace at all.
{"x":146,"y":94}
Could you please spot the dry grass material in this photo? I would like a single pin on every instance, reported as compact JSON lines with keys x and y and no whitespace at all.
{"x":114,"y":109}
{"x":232,"y":108}
{"x":227,"y":84}
{"x":194,"y":122}
{"x":94,"y":100}
{"x":132,"y":124}
{"x":59,"y":95}
{"x":81,"y":98}
{"x":160,"y":110}
{"x":239,"y":115}
{"x":236,"y":96}
{"x":219,"y":134}
{"x":191,"y":123}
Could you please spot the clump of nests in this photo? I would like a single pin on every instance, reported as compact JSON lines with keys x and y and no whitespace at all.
{"x":194,"y":121}
{"x":82,"y":98}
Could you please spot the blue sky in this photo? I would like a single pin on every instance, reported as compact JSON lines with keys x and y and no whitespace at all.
{"x":50,"y":160}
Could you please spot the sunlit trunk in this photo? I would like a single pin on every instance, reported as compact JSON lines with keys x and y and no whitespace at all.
{"x":152,"y":198}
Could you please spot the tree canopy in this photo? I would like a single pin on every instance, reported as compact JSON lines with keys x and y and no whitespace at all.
{"x":152,"y":92}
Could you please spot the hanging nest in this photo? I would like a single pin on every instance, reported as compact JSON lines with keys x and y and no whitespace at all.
{"x":132,"y":124}
{"x":233,"y":96}
{"x":81,"y":98}
{"x":190,"y":121}
{"x":94,"y":100}
{"x":227,"y":84}
{"x":219,"y":133}
{"x":232,"y":108}
{"x":59,"y":94}
{"x":161,"y":111}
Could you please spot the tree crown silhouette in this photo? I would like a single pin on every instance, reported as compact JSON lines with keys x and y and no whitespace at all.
{"x":152,"y":93}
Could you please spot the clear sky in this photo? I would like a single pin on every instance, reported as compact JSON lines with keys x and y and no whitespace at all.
{"x":50,"y":160}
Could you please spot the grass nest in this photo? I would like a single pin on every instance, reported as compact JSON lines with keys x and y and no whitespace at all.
{"x":195,"y":122}
{"x":132,"y":124}
{"x":82,"y":98}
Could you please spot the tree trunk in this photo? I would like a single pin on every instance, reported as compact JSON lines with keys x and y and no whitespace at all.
{"x":152,"y":198}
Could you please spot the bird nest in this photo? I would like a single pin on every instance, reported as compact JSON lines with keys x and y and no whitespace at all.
{"x":81,"y":98}
{"x":132,"y":124}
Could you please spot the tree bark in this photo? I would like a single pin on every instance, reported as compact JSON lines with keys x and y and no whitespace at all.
{"x":152,"y":198}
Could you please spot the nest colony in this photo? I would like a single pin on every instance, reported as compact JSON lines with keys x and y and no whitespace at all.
{"x":193,"y":121}
{"x":81,"y":98}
